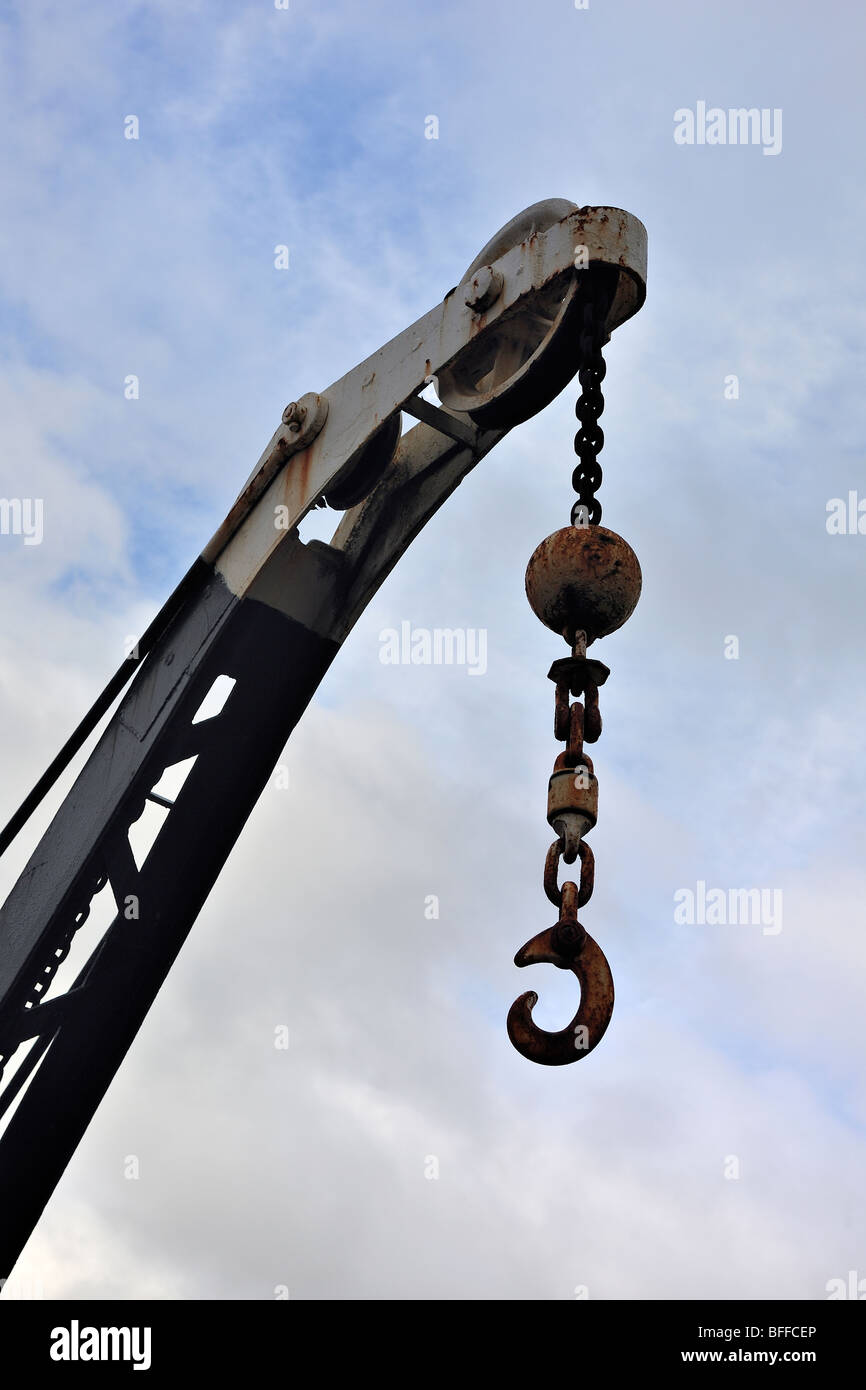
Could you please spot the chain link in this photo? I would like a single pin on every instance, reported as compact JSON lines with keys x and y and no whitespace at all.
{"x":587,"y":874}
{"x":589,"y":440}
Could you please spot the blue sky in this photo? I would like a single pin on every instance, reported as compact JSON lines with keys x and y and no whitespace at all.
{"x":156,"y":257}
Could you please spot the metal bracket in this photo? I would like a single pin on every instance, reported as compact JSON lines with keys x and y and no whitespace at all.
{"x":442,"y":420}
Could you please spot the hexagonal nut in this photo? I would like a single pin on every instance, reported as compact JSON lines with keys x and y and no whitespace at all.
{"x":294,"y":416}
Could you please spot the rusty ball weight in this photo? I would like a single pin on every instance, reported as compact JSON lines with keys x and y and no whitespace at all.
{"x":583,"y":578}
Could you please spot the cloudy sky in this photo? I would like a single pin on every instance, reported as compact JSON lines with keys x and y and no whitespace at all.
{"x":309,"y":1169}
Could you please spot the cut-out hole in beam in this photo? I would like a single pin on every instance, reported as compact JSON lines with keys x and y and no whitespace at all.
{"x":214,"y":700}
{"x":103,"y":910}
{"x":173,"y":778}
{"x":16,"y":1061}
{"x":143,"y":832}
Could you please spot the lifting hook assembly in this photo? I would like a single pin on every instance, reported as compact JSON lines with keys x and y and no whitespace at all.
{"x":582,"y":582}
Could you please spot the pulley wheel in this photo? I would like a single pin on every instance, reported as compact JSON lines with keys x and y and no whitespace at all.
{"x":532,"y":351}
{"x":360,"y":473}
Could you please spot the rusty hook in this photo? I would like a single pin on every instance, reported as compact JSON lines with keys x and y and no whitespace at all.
{"x":568,"y":946}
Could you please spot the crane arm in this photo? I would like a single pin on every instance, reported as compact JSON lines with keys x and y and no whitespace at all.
{"x":269,"y":612}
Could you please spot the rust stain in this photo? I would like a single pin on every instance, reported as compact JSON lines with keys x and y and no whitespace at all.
{"x":244,"y":504}
{"x":300,"y":472}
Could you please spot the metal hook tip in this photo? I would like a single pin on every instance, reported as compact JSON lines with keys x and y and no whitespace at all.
{"x":587,"y":1027}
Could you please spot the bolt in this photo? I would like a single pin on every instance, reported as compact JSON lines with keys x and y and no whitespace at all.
{"x":483,"y":289}
{"x":294,"y":416}
{"x":569,"y":938}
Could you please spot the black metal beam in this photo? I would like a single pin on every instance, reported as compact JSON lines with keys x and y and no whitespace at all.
{"x":277,"y":664}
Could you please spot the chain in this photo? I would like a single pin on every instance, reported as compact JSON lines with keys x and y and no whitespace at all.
{"x":573,"y":793}
{"x":589,"y":440}
{"x":57,"y":955}
{"x":574,"y":723}
{"x":582,"y":587}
